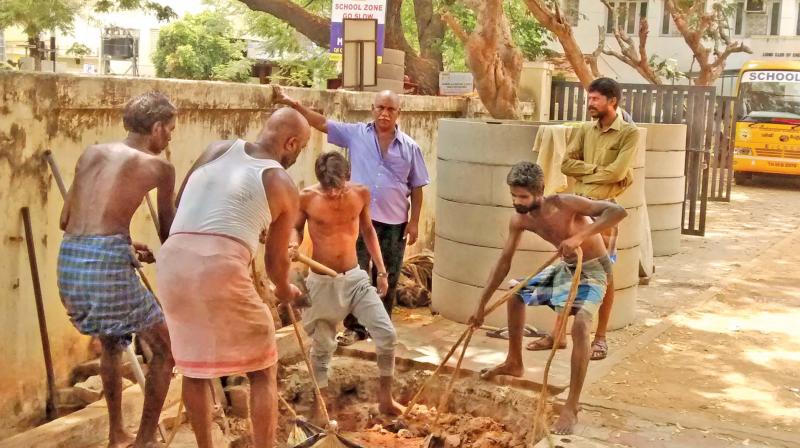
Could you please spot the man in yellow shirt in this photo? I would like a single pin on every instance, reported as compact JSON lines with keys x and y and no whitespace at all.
{"x":600,"y":155}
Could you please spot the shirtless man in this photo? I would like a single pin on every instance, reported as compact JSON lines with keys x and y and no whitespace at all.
{"x":96,"y":277}
{"x":567,"y":222}
{"x":335,"y":210}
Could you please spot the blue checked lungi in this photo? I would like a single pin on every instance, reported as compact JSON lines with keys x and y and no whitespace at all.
{"x":551,"y":286}
{"x":100,"y":289}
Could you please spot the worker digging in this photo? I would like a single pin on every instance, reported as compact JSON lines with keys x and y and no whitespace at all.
{"x":237,"y":200}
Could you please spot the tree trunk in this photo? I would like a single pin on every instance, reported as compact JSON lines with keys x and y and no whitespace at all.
{"x":430,"y":29}
{"x":493,"y":58}
{"x":34,"y":45}
{"x":424,"y":72}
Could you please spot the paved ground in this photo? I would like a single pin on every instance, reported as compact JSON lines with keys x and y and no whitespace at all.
{"x":711,"y":359}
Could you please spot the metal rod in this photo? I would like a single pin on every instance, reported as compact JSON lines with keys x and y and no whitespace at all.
{"x":50,"y":407}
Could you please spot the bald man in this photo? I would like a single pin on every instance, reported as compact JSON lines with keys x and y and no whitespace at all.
{"x":390,"y":163}
{"x":217,"y":322}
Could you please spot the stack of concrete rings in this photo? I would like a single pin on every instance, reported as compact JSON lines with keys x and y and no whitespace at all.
{"x":473,"y":209}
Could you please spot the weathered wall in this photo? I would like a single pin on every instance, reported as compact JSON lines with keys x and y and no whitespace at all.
{"x":66,"y":113}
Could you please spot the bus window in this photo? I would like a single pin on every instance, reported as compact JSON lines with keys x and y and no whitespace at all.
{"x":764,"y":100}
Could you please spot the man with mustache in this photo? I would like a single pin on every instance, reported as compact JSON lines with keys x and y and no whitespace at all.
{"x":599,"y":156}
{"x":390,"y":163}
{"x":568,"y":222}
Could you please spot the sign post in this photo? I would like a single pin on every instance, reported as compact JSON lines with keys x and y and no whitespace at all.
{"x":355,"y":9}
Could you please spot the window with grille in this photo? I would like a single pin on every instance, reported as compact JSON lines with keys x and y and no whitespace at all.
{"x":738,"y":19}
{"x":628,"y":16}
{"x":774,"y":12}
{"x":797,"y":31}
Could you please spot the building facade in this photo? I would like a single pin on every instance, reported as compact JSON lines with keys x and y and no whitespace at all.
{"x":771,"y":28}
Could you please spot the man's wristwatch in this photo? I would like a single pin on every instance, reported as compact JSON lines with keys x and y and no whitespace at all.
{"x":383,"y":274}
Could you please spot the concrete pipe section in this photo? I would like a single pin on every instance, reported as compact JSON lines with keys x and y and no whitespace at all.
{"x":472,"y":212}
{"x":664,"y":185}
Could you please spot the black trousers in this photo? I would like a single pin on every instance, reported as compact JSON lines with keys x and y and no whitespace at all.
{"x":391,"y":238}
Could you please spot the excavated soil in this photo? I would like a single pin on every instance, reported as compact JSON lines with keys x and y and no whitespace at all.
{"x":480,"y":414}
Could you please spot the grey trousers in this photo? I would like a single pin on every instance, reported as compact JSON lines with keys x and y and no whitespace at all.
{"x":334,"y":298}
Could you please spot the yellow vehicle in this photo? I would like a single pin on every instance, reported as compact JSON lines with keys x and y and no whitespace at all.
{"x":767,"y":136}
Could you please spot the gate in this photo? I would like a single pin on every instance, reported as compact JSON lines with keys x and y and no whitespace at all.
{"x":709,"y":127}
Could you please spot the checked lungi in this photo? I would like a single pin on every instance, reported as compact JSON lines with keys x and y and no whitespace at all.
{"x":100,"y":289}
{"x":551,"y":286}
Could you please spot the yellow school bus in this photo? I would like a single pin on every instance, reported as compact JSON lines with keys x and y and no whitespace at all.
{"x":767,"y":136}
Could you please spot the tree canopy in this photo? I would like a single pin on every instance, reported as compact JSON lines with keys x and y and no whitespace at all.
{"x":201,"y":46}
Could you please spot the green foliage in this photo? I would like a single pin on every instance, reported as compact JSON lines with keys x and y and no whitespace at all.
{"x":36,"y":16}
{"x":79,"y":50}
{"x":236,"y":70}
{"x":529,"y":36}
{"x":163,"y":13}
{"x":201,"y":47}
{"x":298,"y":62}
{"x":305,"y":71}
{"x":666,"y":68}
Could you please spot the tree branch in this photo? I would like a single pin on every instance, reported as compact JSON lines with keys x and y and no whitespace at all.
{"x":455,"y":26}
{"x":314,"y":27}
{"x":554,"y":22}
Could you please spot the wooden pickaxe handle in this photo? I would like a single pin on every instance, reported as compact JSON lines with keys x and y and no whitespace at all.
{"x":316,"y":265}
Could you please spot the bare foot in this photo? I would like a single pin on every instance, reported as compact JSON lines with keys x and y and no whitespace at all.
{"x":506,"y":368}
{"x":391,"y":408}
{"x":544,"y":343}
{"x":566,"y":422}
{"x":121,"y":440}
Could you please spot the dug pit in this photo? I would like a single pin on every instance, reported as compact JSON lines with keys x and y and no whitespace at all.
{"x":480,"y":414}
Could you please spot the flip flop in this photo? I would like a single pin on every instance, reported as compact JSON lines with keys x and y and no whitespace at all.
{"x":502,"y":333}
{"x":599,"y":349}
{"x":348,"y":337}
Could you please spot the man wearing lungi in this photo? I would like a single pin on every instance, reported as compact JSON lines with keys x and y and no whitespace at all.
{"x":600,"y":155}
{"x":390,"y":163}
{"x":337,"y":211}
{"x":96,"y":277}
{"x":218,"y":323}
{"x":567,"y":222}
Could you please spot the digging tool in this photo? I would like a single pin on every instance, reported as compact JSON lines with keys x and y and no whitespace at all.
{"x":434,"y":440}
{"x":129,"y":352}
{"x":50,"y":406}
{"x":540,"y":418}
{"x":316,"y":265}
{"x":329,"y":437}
{"x":316,"y":437}
{"x":399,"y":423}
{"x":153,"y":213}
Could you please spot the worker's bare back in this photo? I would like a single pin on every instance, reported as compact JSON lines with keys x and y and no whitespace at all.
{"x":556,"y":221}
{"x":110,"y":183}
{"x":333,"y":223}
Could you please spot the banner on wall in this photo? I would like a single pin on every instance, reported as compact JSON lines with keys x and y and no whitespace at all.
{"x":355,"y":9}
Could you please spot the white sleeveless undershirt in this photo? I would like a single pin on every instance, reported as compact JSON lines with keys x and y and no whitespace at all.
{"x":226,"y":197}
